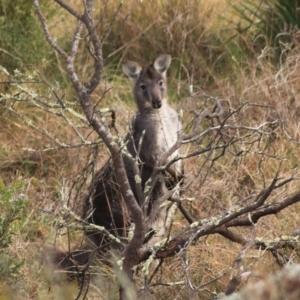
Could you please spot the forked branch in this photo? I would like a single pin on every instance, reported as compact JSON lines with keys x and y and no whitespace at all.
{"x":84,"y":92}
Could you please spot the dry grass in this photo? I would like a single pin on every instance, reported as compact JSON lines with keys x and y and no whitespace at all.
{"x":187,"y":30}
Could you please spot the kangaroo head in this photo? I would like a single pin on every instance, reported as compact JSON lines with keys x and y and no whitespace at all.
{"x":149,"y":83}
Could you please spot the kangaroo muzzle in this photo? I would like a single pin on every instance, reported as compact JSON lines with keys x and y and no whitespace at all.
{"x":156,"y":103}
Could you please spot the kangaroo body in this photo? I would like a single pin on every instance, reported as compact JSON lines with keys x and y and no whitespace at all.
{"x":154,"y":131}
{"x":161,"y":132}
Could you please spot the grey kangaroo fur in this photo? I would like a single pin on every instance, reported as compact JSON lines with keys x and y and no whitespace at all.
{"x":155,"y":128}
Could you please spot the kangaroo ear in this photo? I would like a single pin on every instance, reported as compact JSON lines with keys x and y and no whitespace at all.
{"x":162,"y":63}
{"x":131,"y":69}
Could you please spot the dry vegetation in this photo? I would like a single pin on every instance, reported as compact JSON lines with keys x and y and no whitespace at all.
{"x":195,"y":34}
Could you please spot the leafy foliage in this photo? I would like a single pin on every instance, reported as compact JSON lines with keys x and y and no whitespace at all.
{"x":22,"y":41}
{"x":269,"y":22}
{"x":11,"y":207}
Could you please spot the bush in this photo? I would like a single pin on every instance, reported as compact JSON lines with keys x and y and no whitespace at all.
{"x":11,"y":207}
{"x":23,"y":44}
{"x":269,"y":22}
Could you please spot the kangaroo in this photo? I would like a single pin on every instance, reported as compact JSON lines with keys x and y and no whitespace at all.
{"x":155,"y":128}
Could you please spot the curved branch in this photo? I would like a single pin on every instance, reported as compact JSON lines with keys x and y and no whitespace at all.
{"x":69,"y":9}
{"x":46,"y":30}
{"x":214,"y":225}
{"x":268,"y":209}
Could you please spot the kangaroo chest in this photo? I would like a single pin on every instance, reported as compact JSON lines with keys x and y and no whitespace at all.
{"x":166,"y":131}
{"x":156,"y":133}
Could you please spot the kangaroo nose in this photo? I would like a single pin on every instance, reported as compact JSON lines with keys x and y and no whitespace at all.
{"x":156,"y":103}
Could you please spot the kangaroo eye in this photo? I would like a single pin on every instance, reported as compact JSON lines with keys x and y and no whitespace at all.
{"x":161,"y":83}
{"x":143,"y":87}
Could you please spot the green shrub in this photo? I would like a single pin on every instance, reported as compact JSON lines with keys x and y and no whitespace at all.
{"x":21,"y":37}
{"x":22,"y":41}
{"x":11,"y":210}
{"x":268,"y":22}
